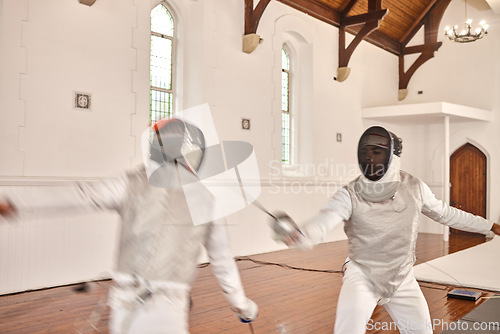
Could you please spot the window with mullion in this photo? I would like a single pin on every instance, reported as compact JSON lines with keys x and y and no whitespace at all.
{"x":161,"y":64}
{"x":286,"y":145}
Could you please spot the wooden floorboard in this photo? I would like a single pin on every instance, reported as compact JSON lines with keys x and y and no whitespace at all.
{"x":290,"y":301}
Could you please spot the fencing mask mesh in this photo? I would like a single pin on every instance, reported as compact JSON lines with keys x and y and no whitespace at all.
{"x":172,"y":148}
{"x":375,"y":151}
{"x":378,"y":156}
{"x":177,"y":141}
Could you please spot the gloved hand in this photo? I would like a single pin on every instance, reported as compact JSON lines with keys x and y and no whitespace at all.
{"x":287,"y":231}
{"x":249,"y":313}
{"x":6,"y":209}
{"x":244,"y":307}
{"x":495,"y":229}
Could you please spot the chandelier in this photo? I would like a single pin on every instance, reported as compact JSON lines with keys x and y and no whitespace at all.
{"x":466,"y":35}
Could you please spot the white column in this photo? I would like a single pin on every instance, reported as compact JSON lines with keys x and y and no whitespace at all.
{"x":446,"y":174}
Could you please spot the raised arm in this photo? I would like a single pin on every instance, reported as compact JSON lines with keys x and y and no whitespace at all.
{"x":495,"y":229}
{"x":444,"y":214}
{"x":107,"y":194}
{"x":337,"y":210}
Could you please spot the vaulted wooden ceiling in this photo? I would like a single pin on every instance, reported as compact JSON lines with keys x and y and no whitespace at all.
{"x":388,"y":24}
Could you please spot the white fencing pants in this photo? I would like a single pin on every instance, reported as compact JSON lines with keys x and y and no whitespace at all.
{"x":165,"y":311}
{"x":358,"y":298}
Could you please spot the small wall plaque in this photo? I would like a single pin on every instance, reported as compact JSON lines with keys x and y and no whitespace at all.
{"x":83,"y":101}
{"x":245,"y":124}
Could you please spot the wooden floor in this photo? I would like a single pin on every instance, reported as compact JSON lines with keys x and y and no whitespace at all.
{"x":290,"y":301}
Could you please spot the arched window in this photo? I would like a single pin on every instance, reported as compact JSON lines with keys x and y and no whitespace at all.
{"x":161,"y":64}
{"x":293,"y":54}
{"x":286,"y":142}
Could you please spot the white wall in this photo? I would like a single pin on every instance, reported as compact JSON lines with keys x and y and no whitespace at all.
{"x":50,"y":48}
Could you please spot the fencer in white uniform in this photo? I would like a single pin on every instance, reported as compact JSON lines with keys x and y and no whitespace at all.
{"x":381,"y":210}
{"x":159,"y":246}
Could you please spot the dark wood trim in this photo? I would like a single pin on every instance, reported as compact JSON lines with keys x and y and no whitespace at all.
{"x":316,"y":10}
{"x":374,"y":5}
{"x":420,"y":48}
{"x":327,"y":15}
{"x":369,"y":21}
{"x":346,"y":53}
{"x":364,"y":27}
{"x":431,"y":25}
{"x":362,"y":18}
{"x":433,"y":19}
{"x":468,"y":183}
{"x":347,"y":6}
{"x":405,"y":77}
{"x":252,"y":16}
{"x":380,"y":40}
{"x":417,"y":24}
{"x":421,"y":20}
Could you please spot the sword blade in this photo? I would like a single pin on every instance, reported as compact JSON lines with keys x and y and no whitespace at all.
{"x":258,"y":205}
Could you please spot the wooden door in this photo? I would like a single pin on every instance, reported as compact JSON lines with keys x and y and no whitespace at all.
{"x":468,"y":182}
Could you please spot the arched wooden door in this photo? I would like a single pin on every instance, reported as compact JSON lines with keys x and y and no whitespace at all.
{"x":468,"y":181}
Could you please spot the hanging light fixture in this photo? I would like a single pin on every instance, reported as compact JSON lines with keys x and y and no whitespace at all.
{"x":466,"y":35}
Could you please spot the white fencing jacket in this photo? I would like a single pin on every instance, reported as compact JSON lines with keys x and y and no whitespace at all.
{"x":382,"y":235}
{"x":158,"y":240}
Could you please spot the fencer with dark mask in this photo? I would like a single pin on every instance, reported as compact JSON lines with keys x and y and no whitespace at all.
{"x":381,"y":210}
{"x":379,"y":154}
{"x":159,"y":246}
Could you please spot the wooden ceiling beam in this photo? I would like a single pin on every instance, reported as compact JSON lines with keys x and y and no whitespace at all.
{"x":252,"y":19}
{"x":315,"y":9}
{"x":420,"y":48}
{"x":431,"y":45}
{"x":347,"y":6}
{"x":346,"y":53}
{"x":382,"y":41}
{"x":369,"y":21}
{"x":417,"y":24}
{"x":252,"y":16}
{"x":363,"y":27}
{"x":332,"y":17}
{"x":362,"y":18}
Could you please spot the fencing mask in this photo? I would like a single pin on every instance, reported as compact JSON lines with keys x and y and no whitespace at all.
{"x":378,"y":157}
{"x":169,"y":143}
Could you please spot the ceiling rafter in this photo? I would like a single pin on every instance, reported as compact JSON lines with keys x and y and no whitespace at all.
{"x":391,"y":28}
{"x":347,"y":6}
{"x":417,"y":24}
{"x":369,"y":21}
{"x":431,"y":26}
{"x":379,"y":39}
{"x":252,"y":19}
{"x":315,"y":9}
